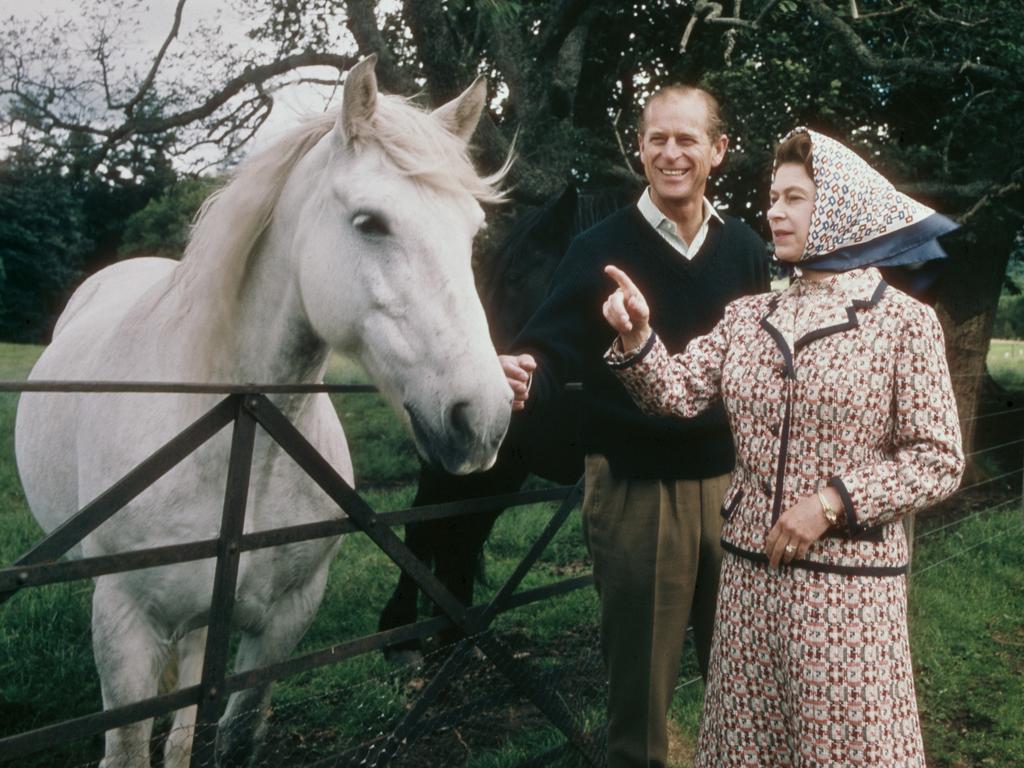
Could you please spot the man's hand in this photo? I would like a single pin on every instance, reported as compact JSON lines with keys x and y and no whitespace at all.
{"x":798,"y":528}
{"x":626,"y":310}
{"x":518,"y":372}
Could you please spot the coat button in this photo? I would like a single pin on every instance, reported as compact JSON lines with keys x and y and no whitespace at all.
{"x":766,"y":487}
{"x":774,"y":429}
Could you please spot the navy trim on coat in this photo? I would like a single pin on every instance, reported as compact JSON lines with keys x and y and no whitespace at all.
{"x":728,"y":510}
{"x":851,"y":516}
{"x":817,"y":567}
{"x":638,"y":356}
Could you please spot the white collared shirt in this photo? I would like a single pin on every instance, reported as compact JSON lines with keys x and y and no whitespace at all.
{"x":668,"y":229}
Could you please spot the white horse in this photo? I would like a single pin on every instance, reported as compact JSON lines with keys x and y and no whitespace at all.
{"x":352,"y":233}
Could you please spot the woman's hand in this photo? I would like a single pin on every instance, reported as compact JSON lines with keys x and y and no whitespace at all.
{"x":626,"y":310}
{"x":797,"y":528}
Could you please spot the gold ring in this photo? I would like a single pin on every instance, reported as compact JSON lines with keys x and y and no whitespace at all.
{"x":790,"y":549}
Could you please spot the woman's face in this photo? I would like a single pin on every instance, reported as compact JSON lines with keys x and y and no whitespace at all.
{"x":792,"y":203}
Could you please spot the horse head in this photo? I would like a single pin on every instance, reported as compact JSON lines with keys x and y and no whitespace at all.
{"x":383,"y":243}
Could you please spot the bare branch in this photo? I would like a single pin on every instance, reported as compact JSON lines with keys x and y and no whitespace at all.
{"x":147,"y":83}
{"x":712,"y":14}
{"x":952,"y":131}
{"x":622,"y":148}
{"x":991,"y":197}
{"x":960,"y":22}
{"x":256,"y":108}
{"x":252,"y":76}
{"x":768,"y":7}
{"x":877,"y":14}
{"x":101,"y":58}
{"x":687,"y":32}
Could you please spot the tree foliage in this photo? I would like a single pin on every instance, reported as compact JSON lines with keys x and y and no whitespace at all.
{"x":162,"y":227}
{"x":42,"y":246}
{"x":930,"y":90}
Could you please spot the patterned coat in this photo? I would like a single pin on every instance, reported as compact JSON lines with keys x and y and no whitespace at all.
{"x":842,"y":382}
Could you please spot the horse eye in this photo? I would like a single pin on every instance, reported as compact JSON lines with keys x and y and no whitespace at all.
{"x":371,"y":224}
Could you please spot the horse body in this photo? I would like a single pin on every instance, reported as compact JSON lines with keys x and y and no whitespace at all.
{"x":353,"y":248}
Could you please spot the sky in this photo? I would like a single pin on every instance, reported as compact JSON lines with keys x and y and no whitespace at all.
{"x":155,"y":23}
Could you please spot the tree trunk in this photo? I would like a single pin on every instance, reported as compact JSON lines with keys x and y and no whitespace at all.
{"x":968,"y":297}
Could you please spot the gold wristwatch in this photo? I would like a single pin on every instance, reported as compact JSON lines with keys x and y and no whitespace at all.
{"x":830,"y":514}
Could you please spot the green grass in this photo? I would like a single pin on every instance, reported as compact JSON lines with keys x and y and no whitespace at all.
{"x":967,"y":628}
{"x":1006,"y":363}
{"x":967,"y":619}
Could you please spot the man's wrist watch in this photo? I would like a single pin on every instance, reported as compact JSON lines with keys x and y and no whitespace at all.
{"x":830,"y":514}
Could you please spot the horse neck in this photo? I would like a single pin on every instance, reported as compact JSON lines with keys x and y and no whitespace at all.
{"x":253,"y":332}
{"x":244,"y":320}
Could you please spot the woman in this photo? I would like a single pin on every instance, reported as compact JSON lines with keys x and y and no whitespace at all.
{"x":839,"y":399}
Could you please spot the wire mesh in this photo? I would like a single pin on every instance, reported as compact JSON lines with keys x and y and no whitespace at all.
{"x":481,"y":710}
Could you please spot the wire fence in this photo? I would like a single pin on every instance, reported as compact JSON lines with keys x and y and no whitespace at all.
{"x":484,"y":709}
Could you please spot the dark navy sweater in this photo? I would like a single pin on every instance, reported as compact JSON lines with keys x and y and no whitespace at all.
{"x":568,"y":335}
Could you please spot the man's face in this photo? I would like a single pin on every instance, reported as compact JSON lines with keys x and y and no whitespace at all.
{"x":676,"y":151}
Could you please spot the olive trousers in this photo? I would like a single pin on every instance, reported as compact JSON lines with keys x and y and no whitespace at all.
{"x":656,"y":550}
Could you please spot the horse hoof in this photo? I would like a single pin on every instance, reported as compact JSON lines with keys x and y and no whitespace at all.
{"x":403,"y":657}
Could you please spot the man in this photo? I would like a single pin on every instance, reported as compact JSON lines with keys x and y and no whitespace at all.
{"x":653,"y":485}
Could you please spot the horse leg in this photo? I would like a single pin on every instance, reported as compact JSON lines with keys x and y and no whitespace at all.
{"x":401,"y":608}
{"x":458,"y":557}
{"x":129,"y":658}
{"x":178,"y":748}
{"x":457,"y":542}
{"x":243,"y":725}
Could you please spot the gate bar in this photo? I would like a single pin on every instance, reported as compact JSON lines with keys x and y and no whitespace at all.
{"x":218,"y":638}
{"x":100,"y":509}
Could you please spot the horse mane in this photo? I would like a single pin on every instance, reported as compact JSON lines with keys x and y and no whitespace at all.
{"x":232,"y":219}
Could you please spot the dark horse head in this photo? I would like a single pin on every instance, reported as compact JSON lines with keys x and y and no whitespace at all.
{"x":517,"y":278}
{"x":518,"y":281}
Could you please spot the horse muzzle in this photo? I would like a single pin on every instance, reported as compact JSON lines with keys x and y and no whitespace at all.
{"x":464,"y":438}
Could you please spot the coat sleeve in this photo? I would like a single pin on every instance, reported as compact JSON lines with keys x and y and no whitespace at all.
{"x":927,"y":459}
{"x":681,"y":385}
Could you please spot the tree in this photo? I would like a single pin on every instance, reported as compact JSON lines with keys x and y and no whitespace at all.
{"x":42,"y":247}
{"x":162,"y":227}
{"x":929,"y":90}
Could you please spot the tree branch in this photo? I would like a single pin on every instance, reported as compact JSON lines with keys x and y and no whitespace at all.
{"x":253,"y":76}
{"x":878,"y":14}
{"x":440,"y":51}
{"x":361,"y":20}
{"x":1004,"y":191}
{"x":565,"y":19}
{"x":147,"y":83}
{"x":904,"y":66}
{"x":712,"y":14}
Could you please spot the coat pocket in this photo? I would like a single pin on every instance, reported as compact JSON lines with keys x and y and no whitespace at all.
{"x":730,"y":503}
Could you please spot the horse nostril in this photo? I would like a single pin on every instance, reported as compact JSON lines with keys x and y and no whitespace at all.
{"x":459,"y":419}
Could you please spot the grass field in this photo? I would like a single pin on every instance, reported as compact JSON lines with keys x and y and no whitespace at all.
{"x":967,"y":627}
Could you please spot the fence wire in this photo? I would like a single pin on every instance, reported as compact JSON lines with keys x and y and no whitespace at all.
{"x":481,"y":711}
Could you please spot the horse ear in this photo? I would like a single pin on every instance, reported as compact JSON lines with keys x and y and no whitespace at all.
{"x":461,"y":114}
{"x":359,"y":99}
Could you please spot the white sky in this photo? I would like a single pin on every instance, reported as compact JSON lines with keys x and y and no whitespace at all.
{"x":156,"y":22}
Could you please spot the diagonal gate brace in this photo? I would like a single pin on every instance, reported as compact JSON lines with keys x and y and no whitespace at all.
{"x":282,"y":431}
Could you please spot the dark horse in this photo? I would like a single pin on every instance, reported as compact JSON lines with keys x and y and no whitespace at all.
{"x":518,"y":283}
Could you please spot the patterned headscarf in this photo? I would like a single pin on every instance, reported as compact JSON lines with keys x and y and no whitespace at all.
{"x":860,"y":219}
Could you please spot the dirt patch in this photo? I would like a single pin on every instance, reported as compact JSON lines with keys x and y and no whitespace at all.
{"x":681,"y":750}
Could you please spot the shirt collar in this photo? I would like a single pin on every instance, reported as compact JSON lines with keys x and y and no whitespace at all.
{"x":660,"y":221}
